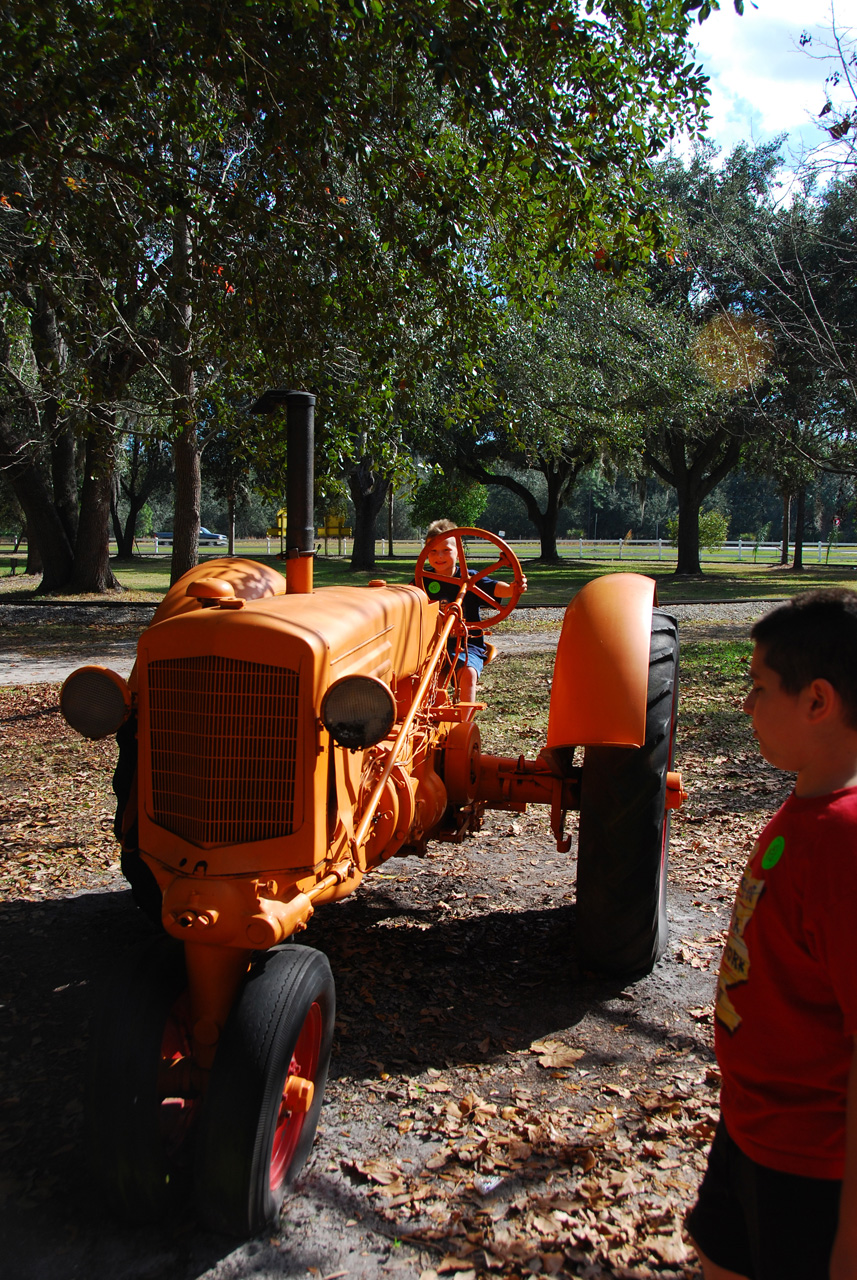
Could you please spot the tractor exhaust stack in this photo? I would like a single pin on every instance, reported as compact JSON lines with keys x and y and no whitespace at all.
{"x":300,"y":482}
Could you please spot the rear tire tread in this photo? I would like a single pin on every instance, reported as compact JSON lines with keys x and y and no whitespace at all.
{"x":624,"y":830}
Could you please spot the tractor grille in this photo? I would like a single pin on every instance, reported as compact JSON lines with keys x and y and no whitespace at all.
{"x":224,"y":744}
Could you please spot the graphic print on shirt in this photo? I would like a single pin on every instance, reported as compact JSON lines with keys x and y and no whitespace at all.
{"x":735,"y":965}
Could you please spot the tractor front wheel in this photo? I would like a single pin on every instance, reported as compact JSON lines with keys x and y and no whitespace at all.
{"x":624,"y":829}
{"x":265,"y":1092}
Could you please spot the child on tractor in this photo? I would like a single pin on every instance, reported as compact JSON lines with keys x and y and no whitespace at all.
{"x":442,"y":560}
{"x":779,"y":1198}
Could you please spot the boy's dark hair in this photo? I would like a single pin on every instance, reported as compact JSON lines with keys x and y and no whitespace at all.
{"x":814,"y":637}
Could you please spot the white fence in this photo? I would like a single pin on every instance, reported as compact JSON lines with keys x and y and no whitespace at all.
{"x":740,"y":552}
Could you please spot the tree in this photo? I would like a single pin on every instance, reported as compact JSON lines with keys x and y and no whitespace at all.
{"x":704,"y":388}
{"x":838,"y":117}
{"x":713,"y":529}
{"x":144,"y":468}
{"x":549,"y":400}
{"x":164,"y":164}
{"x":68,"y":356}
{"x":448,"y":495}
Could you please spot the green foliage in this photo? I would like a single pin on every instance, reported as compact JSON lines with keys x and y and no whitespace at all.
{"x":145,"y":521}
{"x":713,"y":530}
{"x":451,"y":496}
{"x":547,"y":397}
{"x":762,"y":535}
{"x":201,"y":201}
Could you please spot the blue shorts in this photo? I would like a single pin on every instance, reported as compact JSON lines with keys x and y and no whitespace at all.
{"x":469,"y":657}
{"x":762,"y":1223}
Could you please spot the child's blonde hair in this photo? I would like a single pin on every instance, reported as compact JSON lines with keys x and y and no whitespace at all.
{"x":439,"y":526}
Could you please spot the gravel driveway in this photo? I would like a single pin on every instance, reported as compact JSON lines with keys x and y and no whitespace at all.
{"x":45,"y":661}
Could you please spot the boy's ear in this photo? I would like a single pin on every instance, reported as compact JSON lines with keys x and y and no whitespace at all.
{"x":821,"y":700}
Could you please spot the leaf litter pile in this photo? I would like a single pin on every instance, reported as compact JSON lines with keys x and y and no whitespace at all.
{"x":492,"y":1109}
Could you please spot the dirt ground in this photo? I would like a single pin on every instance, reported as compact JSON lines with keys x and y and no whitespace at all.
{"x":492,"y":1109}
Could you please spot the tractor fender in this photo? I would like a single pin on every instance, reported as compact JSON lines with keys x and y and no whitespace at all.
{"x":598,"y":696}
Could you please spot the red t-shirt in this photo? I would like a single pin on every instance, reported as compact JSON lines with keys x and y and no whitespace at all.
{"x":786,"y":1010}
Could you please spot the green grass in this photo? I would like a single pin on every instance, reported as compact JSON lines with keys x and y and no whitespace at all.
{"x":713,"y":683}
{"x":516,"y":689}
{"x":148,"y":577}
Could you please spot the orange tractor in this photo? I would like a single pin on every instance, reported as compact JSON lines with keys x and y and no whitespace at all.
{"x":276,"y":745}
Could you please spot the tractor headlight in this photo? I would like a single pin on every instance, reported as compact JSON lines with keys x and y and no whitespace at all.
{"x":95,"y":701}
{"x":358,"y":711}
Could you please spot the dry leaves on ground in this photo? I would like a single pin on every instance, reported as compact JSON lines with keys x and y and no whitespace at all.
{"x":56,"y":803}
{"x":488,"y":1103}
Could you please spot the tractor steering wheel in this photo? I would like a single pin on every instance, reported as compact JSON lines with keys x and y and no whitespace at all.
{"x":467,"y":581}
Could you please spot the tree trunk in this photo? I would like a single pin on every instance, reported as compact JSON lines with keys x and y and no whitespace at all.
{"x":548,"y":551}
{"x":92,"y":573}
{"x":186,"y":454}
{"x":693,"y":478}
{"x":146,"y":473}
{"x":126,"y":535}
{"x":118,"y":531}
{"x":50,"y":353}
{"x":689,"y":503}
{"x":231,"y":504}
{"x":49,"y":550}
{"x":787,"y":508}
{"x":34,"y":560}
{"x":188,"y":496}
{"x":800,"y":517}
{"x":560,"y":477}
{"x":368,"y":491}
{"x":47,"y":539}
{"x":64,"y":479}
{"x":390,"y":552}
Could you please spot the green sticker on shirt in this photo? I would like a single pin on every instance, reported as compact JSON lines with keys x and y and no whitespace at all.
{"x":773,"y":853}
{"x":433,"y":587}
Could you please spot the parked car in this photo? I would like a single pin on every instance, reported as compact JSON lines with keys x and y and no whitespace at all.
{"x":206,"y":538}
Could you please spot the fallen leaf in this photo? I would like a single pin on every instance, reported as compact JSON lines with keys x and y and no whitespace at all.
{"x":668,"y":1248}
{"x":376,"y":1170}
{"x":394,"y":1188}
{"x":453,"y":1263}
{"x":553,"y":1053}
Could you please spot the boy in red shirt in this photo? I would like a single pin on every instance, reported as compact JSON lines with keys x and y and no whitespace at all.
{"x":779,"y":1198}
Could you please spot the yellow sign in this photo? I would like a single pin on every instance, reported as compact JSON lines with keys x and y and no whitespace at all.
{"x":334,"y":527}
{"x":279,"y":529}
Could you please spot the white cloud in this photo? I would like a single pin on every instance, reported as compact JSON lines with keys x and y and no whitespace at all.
{"x":762,"y":82}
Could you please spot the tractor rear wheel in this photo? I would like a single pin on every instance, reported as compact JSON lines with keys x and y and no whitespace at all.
{"x":141,"y":1101}
{"x":258,"y":1122}
{"x":624,"y":829}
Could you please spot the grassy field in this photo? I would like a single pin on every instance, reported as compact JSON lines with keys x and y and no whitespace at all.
{"x":147,"y":577}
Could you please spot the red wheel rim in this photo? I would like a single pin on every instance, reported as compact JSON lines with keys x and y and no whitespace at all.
{"x":290,"y":1123}
{"x":177,"y":1098}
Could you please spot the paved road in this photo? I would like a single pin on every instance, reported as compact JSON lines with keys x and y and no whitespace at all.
{"x":33,"y":663}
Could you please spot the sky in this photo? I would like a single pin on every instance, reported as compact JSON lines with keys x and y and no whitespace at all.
{"x":762,"y":82}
